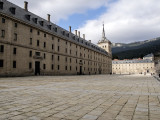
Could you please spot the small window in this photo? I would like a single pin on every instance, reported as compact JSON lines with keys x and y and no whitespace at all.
{"x":38,"y":32}
{"x":1,"y":5}
{"x":44,"y":35}
{"x":44,"y":66}
{"x":44,"y":56}
{"x":28,"y":17}
{"x":52,"y":57}
{"x":31,"y":30}
{"x":58,"y":48}
{"x":13,"y":10}
{"x":52,"y":38}
{"x":66,"y":67}
{"x":15,"y":36}
{"x":1,"y":48}
{"x":35,"y":20}
{"x":66,"y":59}
{"x":58,"y":58}
{"x":58,"y":40}
{"x":70,"y":60}
{"x":30,"y":53}
{"x":52,"y":46}
{"x":37,"y":42}
{"x":3,"y":33}
{"x":3,"y":20}
{"x":14,"y":51}
{"x":58,"y":67}
{"x":15,"y":25}
{"x":52,"y":67}
{"x":14,"y":64}
{"x":55,"y":29}
{"x":37,"y":53}
{"x":44,"y":45}
{"x":41,"y":23}
{"x":1,"y":63}
{"x":30,"y":41}
{"x":70,"y":68}
{"x":30,"y":65}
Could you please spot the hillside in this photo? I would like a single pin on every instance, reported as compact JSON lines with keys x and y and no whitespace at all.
{"x":136,"y":49}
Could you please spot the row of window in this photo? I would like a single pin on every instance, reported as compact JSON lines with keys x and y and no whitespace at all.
{"x":2,"y":64}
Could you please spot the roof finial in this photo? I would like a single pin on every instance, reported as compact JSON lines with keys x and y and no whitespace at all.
{"x":103,"y":33}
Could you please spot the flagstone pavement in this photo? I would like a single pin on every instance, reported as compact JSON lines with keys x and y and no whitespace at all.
{"x":97,"y":97}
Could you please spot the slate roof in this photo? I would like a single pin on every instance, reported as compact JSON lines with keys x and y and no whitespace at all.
{"x":30,"y":18}
{"x":131,"y":61}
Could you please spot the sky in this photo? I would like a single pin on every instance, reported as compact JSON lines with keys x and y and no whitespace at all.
{"x":125,"y":20}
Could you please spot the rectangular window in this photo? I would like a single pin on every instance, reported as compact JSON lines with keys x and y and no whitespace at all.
{"x":30,"y":53}
{"x":1,"y":5}
{"x":37,"y":53}
{"x":58,"y":40}
{"x":52,"y":67}
{"x":1,"y":63}
{"x":37,"y":42}
{"x":3,"y":20}
{"x":70,"y":60}
{"x":52,"y":38}
{"x":15,"y":36}
{"x":44,"y":66}
{"x":14,"y":51}
{"x":30,"y":65}
{"x":44,"y":45}
{"x":66,"y":59}
{"x":70,"y":68}
{"x":30,"y":41}
{"x":31,"y":30}
{"x":70,"y":52}
{"x":1,"y":48}
{"x":44,"y":56}
{"x":66,"y":50}
{"x":58,"y":67}
{"x":15,"y":25}
{"x":14,"y":64}
{"x":52,"y":46}
{"x":3,"y":33}
{"x":52,"y":57}
{"x":38,"y":33}
{"x":58,"y":49}
{"x":66,"y":67}
{"x":44,"y":35}
{"x":58,"y":58}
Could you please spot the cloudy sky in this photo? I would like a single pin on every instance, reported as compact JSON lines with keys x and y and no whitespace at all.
{"x":125,"y":20}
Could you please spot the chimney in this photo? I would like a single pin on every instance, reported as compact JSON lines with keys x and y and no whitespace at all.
{"x":76,"y":32}
{"x":70,"y":29}
{"x":79,"y":34}
{"x":49,"y":17}
{"x":83,"y":36}
{"x":26,"y":5}
{"x":90,"y":41}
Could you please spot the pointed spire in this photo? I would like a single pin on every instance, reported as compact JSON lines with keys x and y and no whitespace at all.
{"x":103,"y":33}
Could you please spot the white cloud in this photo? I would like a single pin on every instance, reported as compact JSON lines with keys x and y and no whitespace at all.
{"x":126,"y":21}
{"x":60,"y":9}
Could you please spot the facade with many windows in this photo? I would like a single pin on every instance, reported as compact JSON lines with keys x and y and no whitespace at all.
{"x":134,"y":66}
{"x":31,"y":45}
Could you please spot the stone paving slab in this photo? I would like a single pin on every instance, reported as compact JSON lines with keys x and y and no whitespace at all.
{"x":98,"y":97}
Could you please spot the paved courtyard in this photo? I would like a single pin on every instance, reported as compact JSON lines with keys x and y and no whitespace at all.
{"x":101,"y":97}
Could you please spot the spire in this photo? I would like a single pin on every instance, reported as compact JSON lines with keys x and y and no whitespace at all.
{"x":103,"y":33}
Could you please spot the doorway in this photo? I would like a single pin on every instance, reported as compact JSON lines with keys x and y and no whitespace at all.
{"x":37,"y":68}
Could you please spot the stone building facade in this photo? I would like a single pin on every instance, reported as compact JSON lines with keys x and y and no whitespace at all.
{"x":135,"y":66}
{"x":31,"y":45}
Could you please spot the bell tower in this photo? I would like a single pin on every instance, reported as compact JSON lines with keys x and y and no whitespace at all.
{"x":105,"y":43}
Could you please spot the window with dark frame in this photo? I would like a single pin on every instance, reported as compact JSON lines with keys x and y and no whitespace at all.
{"x":44,"y":45}
{"x":3,"y":33}
{"x":15,"y":25}
{"x":1,"y":63}
{"x":52,"y":67}
{"x":52,"y":57}
{"x":52,"y":46}
{"x":1,"y":5}
{"x":30,"y":65}
{"x":44,"y":66}
{"x":1,"y":48}
{"x":14,"y":51}
{"x":15,"y":36}
{"x":37,"y":42}
{"x":66,"y":67}
{"x":58,"y":58}
{"x":58,"y":67}
{"x":30,"y":41}
{"x":31,"y":30}
{"x":58,"y":48}
{"x":30,"y":53}
{"x":14,"y":64}
{"x":3,"y":20}
{"x":44,"y":56}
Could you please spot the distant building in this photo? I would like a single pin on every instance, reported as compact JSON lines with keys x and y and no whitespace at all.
{"x":134,"y":66}
{"x":31,"y":45}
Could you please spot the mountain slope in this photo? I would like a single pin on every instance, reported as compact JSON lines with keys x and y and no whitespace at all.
{"x":136,"y":49}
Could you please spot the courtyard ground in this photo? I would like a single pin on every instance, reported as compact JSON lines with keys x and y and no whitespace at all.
{"x":98,"y":97}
